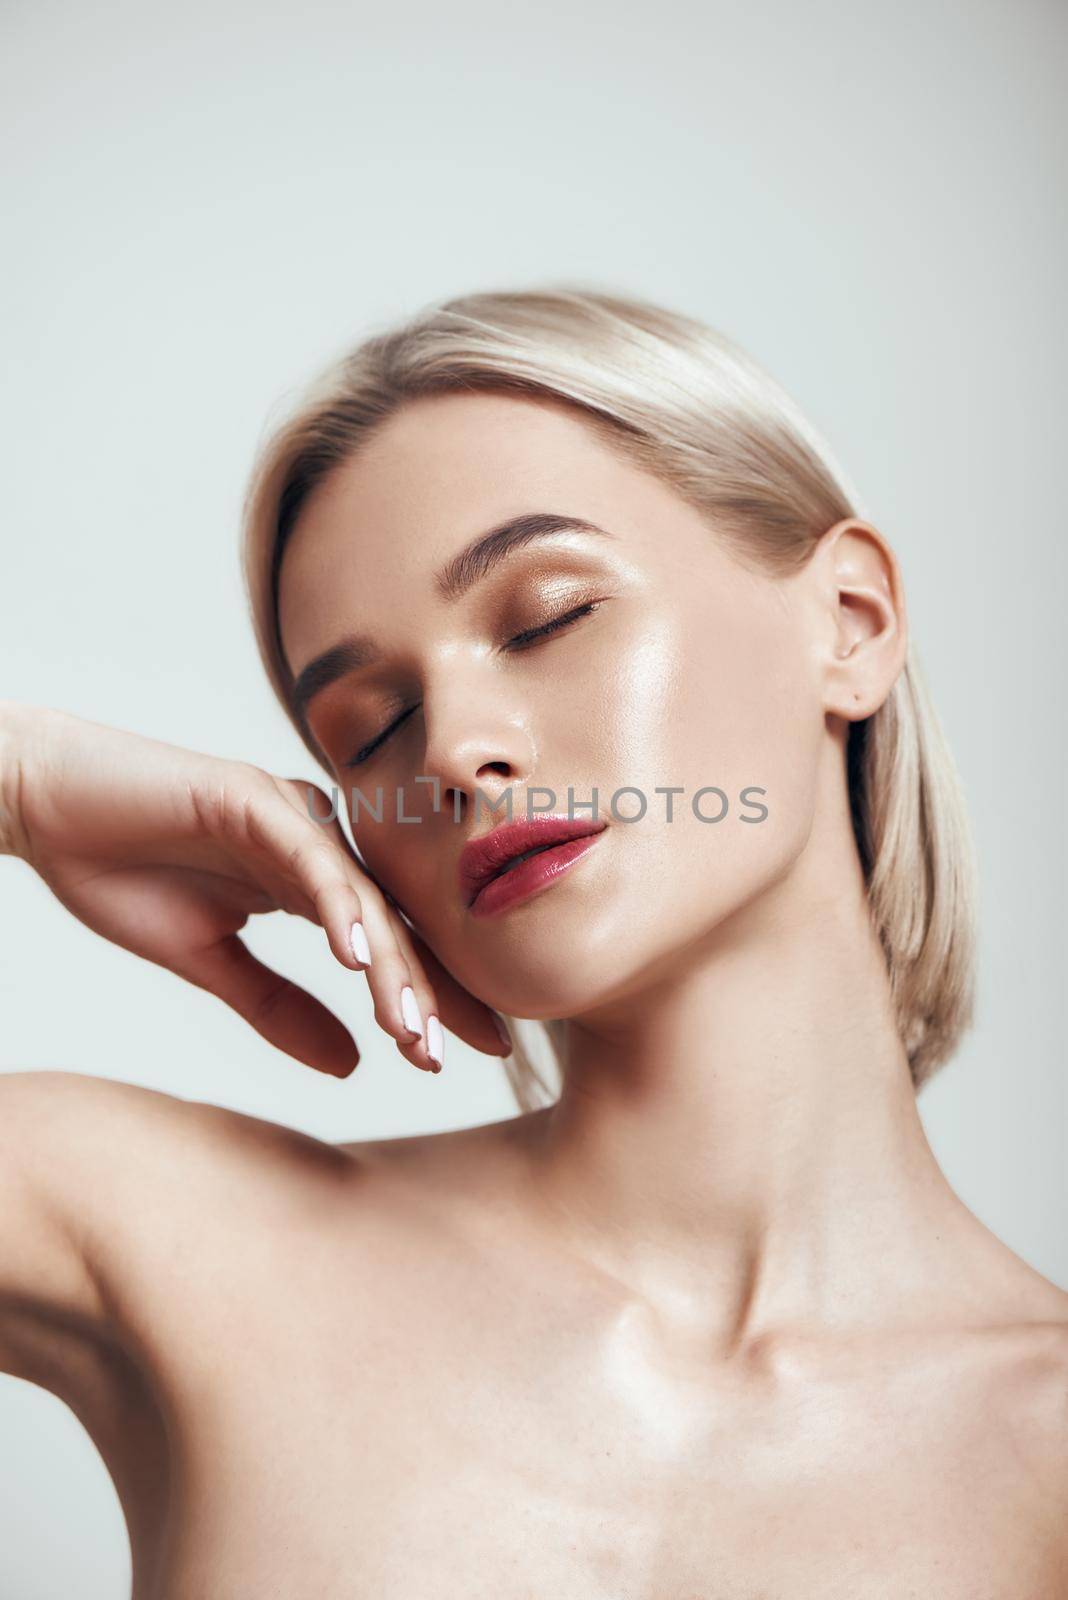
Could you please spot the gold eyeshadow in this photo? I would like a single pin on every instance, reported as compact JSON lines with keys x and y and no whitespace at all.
{"x":540,"y":597}
{"x":545,"y":590}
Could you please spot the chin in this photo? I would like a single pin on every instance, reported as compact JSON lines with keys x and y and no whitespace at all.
{"x":607,"y":948}
{"x":554,"y":956}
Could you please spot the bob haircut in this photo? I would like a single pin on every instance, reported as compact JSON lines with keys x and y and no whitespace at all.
{"x":678,"y":399}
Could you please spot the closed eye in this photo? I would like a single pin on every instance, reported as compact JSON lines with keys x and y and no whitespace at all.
{"x":563,"y":621}
{"x":517,"y":641}
{"x":368,"y":749}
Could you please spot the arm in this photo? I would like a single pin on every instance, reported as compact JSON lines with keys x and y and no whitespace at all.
{"x":43,"y":1277}
{"x":70,"y":1152}
{"x":128,"y":1216}
{"x":166,"y":852}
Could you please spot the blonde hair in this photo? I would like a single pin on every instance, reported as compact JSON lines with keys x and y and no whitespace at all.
{"x":690,"y":407}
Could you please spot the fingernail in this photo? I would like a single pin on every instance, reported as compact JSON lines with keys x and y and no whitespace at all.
{"x":435,"y":1040}
{"x":410,"y":1011}
{"x":502,"y":1032}
{"x":360,"y":948}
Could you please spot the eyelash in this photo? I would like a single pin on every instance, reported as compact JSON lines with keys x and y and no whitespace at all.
{"x":556,"y":625}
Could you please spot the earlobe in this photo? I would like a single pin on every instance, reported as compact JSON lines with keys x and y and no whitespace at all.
{"x":868,"y":623}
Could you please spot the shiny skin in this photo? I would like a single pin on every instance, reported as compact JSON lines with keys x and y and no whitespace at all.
{"x":715,"y":1326}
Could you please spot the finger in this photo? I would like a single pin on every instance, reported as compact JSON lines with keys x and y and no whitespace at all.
{"x":283,"y":1013}
{"x":346,"y":901}
{"x":404,"y":1002}
{"x":459,"y":1011}
{"x":427,"y":1001}
{"x":311,"y":856}
{"x":438,"y":995}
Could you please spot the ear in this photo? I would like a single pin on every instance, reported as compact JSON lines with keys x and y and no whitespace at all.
{"x":867,"y":635}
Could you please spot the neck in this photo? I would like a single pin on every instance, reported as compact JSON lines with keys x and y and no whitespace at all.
{"x":740,"y":1144}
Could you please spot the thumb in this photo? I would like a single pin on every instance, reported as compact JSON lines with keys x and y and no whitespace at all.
{"x":283,"y":1013}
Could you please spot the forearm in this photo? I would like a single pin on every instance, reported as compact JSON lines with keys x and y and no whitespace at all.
{"x":12,"y":838}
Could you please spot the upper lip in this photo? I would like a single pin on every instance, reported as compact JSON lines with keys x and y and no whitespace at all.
{"x":481,"y":859}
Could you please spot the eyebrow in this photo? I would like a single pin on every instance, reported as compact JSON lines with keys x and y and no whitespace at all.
{"x":459,"y":574}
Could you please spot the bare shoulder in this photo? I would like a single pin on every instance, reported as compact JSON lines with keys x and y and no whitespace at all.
{"x":222,"y":1209}
{"x":99,"y":1143}
{"x":74,"y":1151}
{"x":119,"y":1199}
{"x":150,"y":1183}
{"x":1031,"y":1311}
{"x":1038,"y":1379}
{"x":1035,"y":1397}
{"x":1025,"y":1388}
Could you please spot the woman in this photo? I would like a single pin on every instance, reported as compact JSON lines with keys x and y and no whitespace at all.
{"x":710,"y":1322}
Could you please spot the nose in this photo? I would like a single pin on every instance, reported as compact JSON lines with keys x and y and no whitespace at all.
{"x":475,"y":740}
{"x":477,"y":737}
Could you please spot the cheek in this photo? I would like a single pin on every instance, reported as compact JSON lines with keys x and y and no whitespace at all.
{"x":728,"y":703}
{"x":725,"y":701}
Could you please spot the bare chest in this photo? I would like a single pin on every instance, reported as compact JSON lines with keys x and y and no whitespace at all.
{"x":431,"y":1448}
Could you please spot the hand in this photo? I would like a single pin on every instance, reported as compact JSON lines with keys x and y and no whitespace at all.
{"x":168,"y":852}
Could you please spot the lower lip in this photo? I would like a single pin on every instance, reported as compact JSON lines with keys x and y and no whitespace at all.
{"x":531,"y":876}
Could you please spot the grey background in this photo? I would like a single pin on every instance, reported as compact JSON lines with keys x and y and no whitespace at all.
{"x":204,"y":204}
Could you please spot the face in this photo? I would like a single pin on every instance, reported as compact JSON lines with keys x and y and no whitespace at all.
{"x":672,"y":666}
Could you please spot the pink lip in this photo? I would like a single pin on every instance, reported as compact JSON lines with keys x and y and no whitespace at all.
{"x":486,"y":890}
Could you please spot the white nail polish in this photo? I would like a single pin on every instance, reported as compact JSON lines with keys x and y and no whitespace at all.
{"x":435,"y":1040}
{"x":360,"y":948}
{"x":410,"y":1011}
